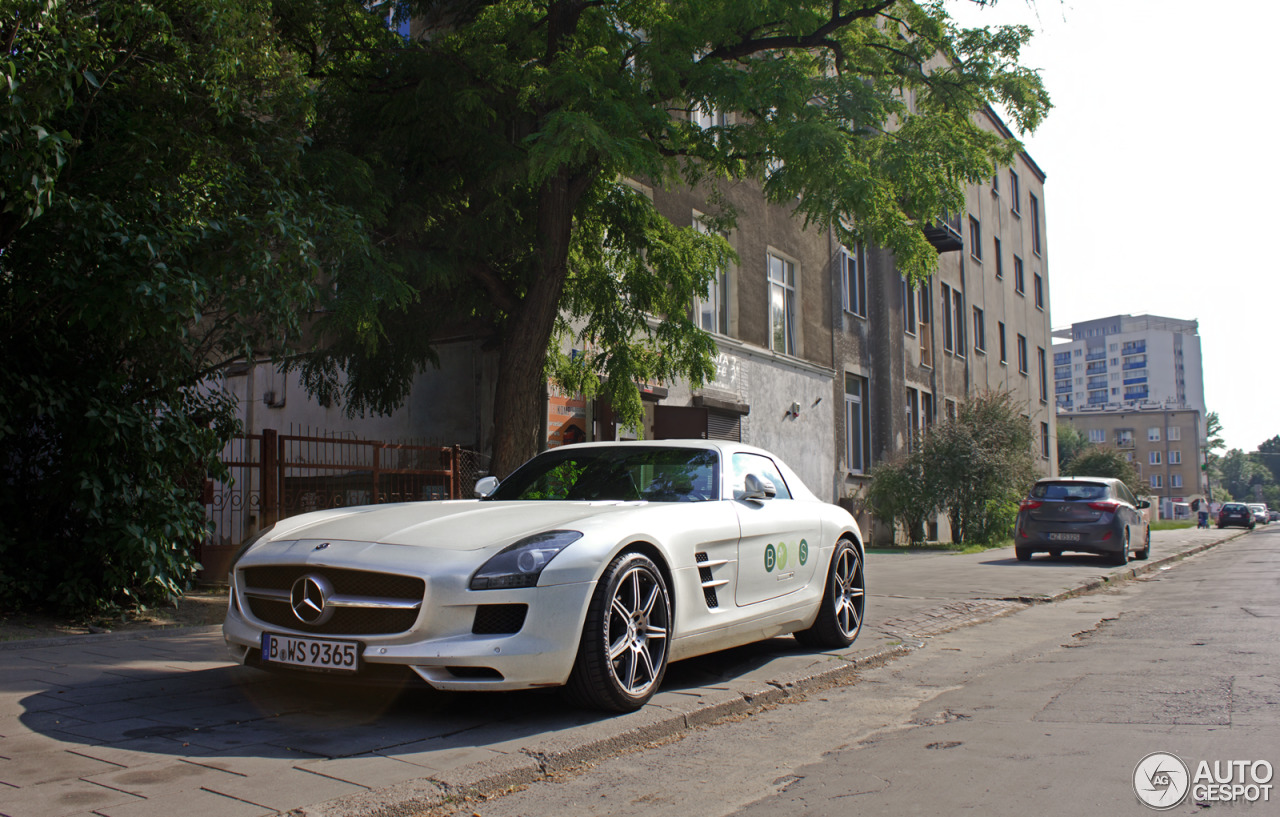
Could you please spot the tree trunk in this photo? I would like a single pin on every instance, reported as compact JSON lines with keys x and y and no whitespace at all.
{"x":518,"y":401}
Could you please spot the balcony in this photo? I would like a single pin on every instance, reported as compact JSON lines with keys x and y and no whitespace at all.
{"x":1061,"y":358}
{"x":1131,"y":381}
{"x":1137,"y":364}
{"x":944,"y":234}
{"x":1062,"y":388}
{"x":1137,"y":348}
{"x":1096,"y":355}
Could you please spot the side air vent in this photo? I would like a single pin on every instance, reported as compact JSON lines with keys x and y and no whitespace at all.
{"x":709,"y":582}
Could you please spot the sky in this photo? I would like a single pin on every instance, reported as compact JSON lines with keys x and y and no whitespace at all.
{"x":1160,"y":163}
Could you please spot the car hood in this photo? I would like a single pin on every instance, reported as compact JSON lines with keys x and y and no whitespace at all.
{"x":460,"y":525}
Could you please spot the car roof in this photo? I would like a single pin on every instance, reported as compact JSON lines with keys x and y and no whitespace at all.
{"x":1051,"y":480}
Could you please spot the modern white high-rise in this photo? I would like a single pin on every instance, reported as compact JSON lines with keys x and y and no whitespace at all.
{"x":1128,"y":361}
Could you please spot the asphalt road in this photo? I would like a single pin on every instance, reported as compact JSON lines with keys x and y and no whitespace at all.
{"x":1047,"y":712}
{"x":163,"y":725}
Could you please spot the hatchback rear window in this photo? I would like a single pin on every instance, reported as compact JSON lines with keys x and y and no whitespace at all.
{"x":1069,"y":490}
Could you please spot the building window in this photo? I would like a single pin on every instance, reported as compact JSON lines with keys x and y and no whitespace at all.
{"x":1154,"y":458}
{"x":854,"y":278}
{"x":1044,"y":440}
{"x":1044,"y":375}
{"x":1175,"y":457}
{"x":999,"y":259}
{"x":952,"y":410}
{"x":1034,"y":204}
{"x":1097,"y":435}
{"x":1019,"y":282}
{"x":1175,"y":433}
{"x":908,"y":307}
{"x":1004,"y":347}
{"x":1039,"y":285}
{"x":1015,"y":193}
{"x":1022,"y":354}
{"x":707,"y":118}
{"x":713,"y":310}
{"x":1175,"y":480}
{"x":913,"y":417}
{"x":948,"y":331}
{"x":857,"y":422}
{"x":1156,"y":481}
{"x":957,"y":303}
{"x":979,"y":331}
{"x":1153,"y":434}
{"x":975,"y":239}
{"x":782,"y":305}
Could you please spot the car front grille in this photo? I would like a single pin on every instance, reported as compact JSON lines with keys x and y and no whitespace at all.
{"x":366,"y":602}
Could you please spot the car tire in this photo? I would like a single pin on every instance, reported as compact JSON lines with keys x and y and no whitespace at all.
{"x":843,"y":602}
{"x":1023,"y":554}
{"x":626,"y":638}
{"x":1146,"y":546}
{"x":1122,"y":558}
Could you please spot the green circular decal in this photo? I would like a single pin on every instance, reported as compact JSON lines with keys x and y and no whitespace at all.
{"x":782,"y":555}
{"x":804,"y":551}
{"x":770,"y":558}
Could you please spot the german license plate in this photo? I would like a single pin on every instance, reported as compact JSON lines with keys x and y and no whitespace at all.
{"x":311,"y":653}
{"x":1064,"y":537}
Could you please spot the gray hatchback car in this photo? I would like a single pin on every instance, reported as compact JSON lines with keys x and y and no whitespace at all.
{"x":1088,"y":514}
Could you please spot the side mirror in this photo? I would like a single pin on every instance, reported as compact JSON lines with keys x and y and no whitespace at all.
{"x":758,"y":488}
{"x":1143,"y":504}
{"x":485,"y":486}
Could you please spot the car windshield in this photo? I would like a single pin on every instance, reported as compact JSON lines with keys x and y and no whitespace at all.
{"x":630,"y":473}
{"x":1069,"y":490}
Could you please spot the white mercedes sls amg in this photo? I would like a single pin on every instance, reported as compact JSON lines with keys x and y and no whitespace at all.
{"x":591,"y":567}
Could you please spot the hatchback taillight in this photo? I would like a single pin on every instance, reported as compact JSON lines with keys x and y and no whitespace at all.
{"x":1029,"y":504}
{"x":1107,"y":506}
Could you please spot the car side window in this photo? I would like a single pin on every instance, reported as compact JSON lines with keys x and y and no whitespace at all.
{"x":1124,"y":493}
{"x":744,"y":464}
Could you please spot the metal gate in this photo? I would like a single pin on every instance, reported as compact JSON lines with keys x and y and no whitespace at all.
{"x":274,"y":476}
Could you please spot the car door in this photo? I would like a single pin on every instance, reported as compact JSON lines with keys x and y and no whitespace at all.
{"x":780,"y":539}
{"x":1129,"y":513}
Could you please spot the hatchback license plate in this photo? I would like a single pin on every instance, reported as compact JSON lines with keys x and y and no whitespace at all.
{"x":311,"y":653}
{"x":1064,"y":537}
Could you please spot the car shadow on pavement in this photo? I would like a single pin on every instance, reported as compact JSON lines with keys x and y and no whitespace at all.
{"x":226,"y":714}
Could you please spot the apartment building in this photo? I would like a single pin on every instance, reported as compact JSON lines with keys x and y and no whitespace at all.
{"x":1128,"y":360}
{"x":1162,"y":442}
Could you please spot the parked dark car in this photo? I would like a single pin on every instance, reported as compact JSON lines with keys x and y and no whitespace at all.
{"x":1236,"y":513}
{"x":1087,"y":514}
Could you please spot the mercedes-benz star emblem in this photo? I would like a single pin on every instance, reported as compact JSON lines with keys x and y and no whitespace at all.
{"x":309,"y":598}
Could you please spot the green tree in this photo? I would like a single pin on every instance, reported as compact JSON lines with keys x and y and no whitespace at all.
{"x":979,"y":466}
{"x":1244,"y":476}
{"x":1213,"y":443}
{"x":1097,"y":461}
{"x":155,"y":225}
{"x":898,"y":493}
{"x":1071,"y":442}
{"x":489,"y":151}
{"x":1268,"y":454}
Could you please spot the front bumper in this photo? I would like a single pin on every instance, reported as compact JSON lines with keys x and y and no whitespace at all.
{"x":441,"y":649}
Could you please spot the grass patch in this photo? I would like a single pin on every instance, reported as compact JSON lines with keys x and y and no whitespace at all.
{"x":942,"y":547}
{"x":1172,"y":524}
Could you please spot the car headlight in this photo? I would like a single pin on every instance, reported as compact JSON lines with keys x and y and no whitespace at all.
{"x":521,"y":564}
